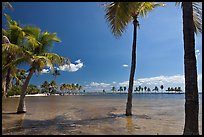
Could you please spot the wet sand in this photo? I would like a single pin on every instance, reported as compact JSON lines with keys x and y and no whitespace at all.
{"x":96,"y":115}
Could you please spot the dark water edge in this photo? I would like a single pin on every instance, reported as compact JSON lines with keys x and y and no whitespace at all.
{"x":96,"y":114}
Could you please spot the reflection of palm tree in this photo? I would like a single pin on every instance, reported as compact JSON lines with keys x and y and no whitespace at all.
{"x":118,"y":15}
{"x":129,"y":125}
{"x":191,"y":87}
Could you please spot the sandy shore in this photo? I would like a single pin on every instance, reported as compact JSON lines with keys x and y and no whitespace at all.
{"x":31,"y":95}
{"x":96,"y":115}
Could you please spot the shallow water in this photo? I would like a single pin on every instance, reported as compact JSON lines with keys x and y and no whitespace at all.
{"x":97,"y":114}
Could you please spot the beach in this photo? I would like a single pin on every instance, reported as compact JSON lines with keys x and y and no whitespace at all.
{"x":153,"y":114}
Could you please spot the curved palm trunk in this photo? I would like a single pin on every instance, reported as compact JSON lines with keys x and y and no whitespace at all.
{"x":4,"y":85}
{"x":191,"y":87}
{"x":8,"y":80}
{"x":132,"y":71}
{"x":21,"y":106}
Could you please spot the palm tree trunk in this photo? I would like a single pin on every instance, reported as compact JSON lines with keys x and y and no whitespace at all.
{"x":4,"y":85}
{"x":8,"y":80}
{"x":191,"y":87}
{"x":132,"y":71}
{"x":21,"y":106}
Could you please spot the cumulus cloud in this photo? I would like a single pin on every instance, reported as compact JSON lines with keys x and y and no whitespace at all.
{"x":197,"y":52}
{"x":125,"y":65}
{"x":95,"y":84}
{"x":176,"y":79}
{"x":47,"y":70}
{"x":72,"y":67}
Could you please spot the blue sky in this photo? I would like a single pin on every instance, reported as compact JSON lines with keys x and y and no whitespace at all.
{"x":99,"y":60}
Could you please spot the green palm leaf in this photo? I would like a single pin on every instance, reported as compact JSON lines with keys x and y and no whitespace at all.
{"x":119,"y":14}
{"x":197,"y":15}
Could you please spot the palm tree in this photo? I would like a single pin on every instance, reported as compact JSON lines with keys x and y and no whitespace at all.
{"x":113,"y":89}
{"x":45,"y":87}
{"x":53,"y":86}
{"x":192,"y":23}
{"x":19,"y":76}
{"x":56,"y":73}
{"x":124,"y":88}
{"x":36,"y":53}
{"x":145,"y":88}
{"x":118,"y":15}
{"x":12,"y":37}
{"x":162,"y":87}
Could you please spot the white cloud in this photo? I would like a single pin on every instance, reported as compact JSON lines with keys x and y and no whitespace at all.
{"x":72,"y":67}
{"x":78,"y":61}
{"x":167,"y":81}
{"x":160,"y":80}
{"x":125,"y":65}
{"x":95,"y":84}
{"x":45,"y":71}
{"x":197,"y":52}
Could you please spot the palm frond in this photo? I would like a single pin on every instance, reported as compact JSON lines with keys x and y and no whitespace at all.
{"x":54,"y":58}
{"x":197,"y":15}
{"x":5,"y":4}
{"x":146,"y":7}
{"x":32,"y":31}
{"x":4,"y":32}
{"x":14,"y":63}
{"x":118,"y":16}
{"x":12,"y":48}
{"x":41,"y":62}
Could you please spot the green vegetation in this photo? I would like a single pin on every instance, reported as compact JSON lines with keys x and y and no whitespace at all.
{"x":70,"y":87}
{"x":30,"y":46}
{"x":16,"y":90}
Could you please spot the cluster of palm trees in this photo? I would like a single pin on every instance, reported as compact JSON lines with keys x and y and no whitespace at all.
{"x":146,"y":89}
{"x":26,"y":44}
{"x":50,"y":88}
{"x":176,"y":89}
{"x":120,"y":14}
{"x":70,"y":87}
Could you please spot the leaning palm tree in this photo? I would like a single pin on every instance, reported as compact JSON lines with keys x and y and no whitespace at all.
{"x":37,"y":56}
{"x":192,"y":23}
{"x":118,"y":15}
{"x":13,"y":36}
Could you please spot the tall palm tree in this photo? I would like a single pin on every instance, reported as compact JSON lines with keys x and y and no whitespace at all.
{"x":118,"y":15}
{"x":192,"y":23}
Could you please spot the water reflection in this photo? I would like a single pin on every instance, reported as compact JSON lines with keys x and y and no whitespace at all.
{"x":129,"y":124}
{"x":12,"y":122}
{"x":85,"y":115}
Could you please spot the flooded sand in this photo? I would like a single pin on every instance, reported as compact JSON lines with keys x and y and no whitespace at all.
{"x":96,"y":115}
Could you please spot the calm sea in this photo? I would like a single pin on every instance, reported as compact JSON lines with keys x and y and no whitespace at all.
{"x":97,"y":114}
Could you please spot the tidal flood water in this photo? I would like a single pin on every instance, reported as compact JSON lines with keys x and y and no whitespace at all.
{"x":153,"y":114}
